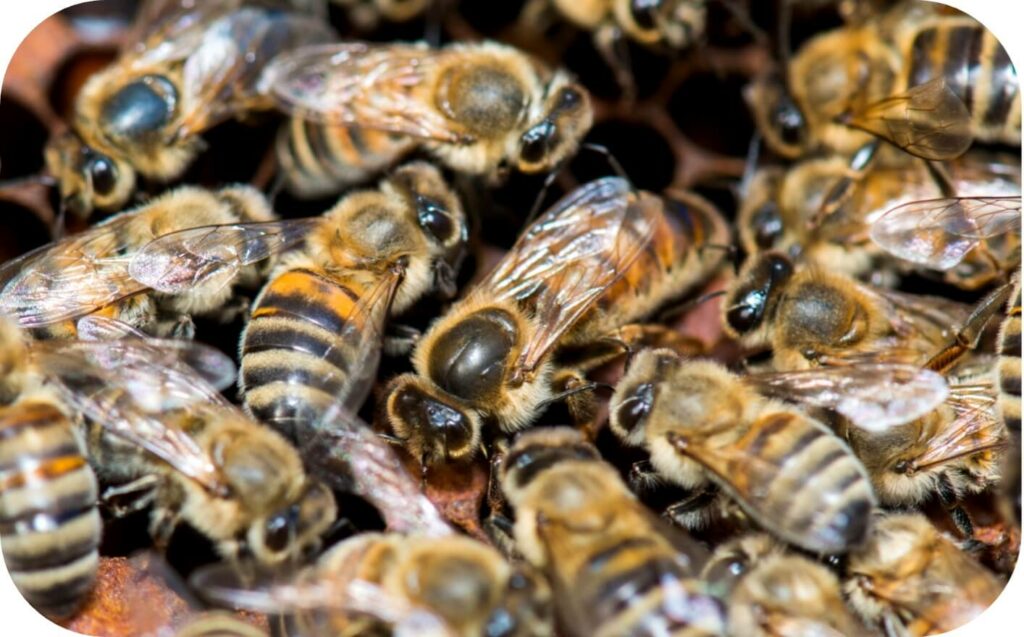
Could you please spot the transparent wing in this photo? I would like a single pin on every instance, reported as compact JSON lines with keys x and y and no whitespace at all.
{"x":168,"y":30}
{"x":351,"y":457}
{"x":938,"y":233}
{"x":264,"y":592}
{"x":180,"y":261}
{"x":221,"y":74}
{"x":363,"y":85}
{"x":128,"y":386}
{"x":874,"y":396}
{"x":929,"y":121}
{"x":69,"y":278}
{"x":570,"y":256}
{"x":974,"y":430}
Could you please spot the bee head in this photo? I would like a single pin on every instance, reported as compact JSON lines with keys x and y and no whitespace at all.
{"x":674,"y":22}
{"x":565,"y":118}
{"x":756,"y":292}
{"x":293,"y":530}
{"x":778,"y":116}
{"x":434,"y":428}
{"x":88,"y":179}
{"x":633,"y":400}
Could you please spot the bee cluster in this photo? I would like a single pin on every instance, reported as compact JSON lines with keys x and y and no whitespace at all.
{"x":620,"y":317}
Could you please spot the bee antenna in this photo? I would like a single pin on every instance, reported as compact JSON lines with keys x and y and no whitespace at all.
{"x":750,"y":166}
{"x":678,"y":310}
{"x":541,"y":196}
{"x":612,"y":161}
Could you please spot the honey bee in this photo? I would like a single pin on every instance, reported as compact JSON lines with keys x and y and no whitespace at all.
{"x":49,"y":523}
{"x":479,"y":108}
{"x":790,"y":596}
{"x":732,"y":559}
{"x":219,"y":624}
{"x":910,"y":580}
{"x":600,"y":258}
{"x":316,"y":329}
{"x":164,"y":437}
{"x":464,"y":585}
{"x":811,"y":317}
{"x":703,"y":425}
{"x":116,"y":269}
{"x":187,"y":67}
{"x":926,"y":81}
{"x":780,"y":205}
{"x":367,"y":14}
{"x":613,"y":569}
{"x":1008,"y":365}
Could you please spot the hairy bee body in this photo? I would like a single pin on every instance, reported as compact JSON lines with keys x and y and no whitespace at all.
{"x":48,"y":518}
{"x":481,"y":108}
{"x":790,"y":473}
{"x":613,"y":570}
{"x":373,"y":255}
{"x":1008,"y":364}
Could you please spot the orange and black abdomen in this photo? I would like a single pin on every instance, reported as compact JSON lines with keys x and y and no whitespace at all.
{"x":48,"y":519}
{"x":1008,"y":363}
{"x":978,"y":69}
{"x":294,"y":363}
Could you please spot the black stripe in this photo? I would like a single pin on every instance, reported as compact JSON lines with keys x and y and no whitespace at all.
{"x":776,"y":424}
{"x":16,"y":465}
{"x":57,"y":556}
{"x":827,"y":460}
{"x":303,"y":309}
{"x":598,"y":561}
{"x":358,"y":138}
{"x":958,"y":64}
{"x":1002,"y":89}
{"x":261,"y":338}
{"x":618,"y":593}
{"x":921,"y":70}
{"x":804,"y":441}
{"x":533,"y":459}
{"x":63,"y":598}
{"x":287,"y":413}
{"x":1010,"y":343}
{"x":17,"y":424}
{"x":1010,"y":384}
{"x":41,"y":519}
{"x":259,"y":375}
{"x":316,"y":135}
{"x":1012,"y":422}
{"x":852,"y":520}
{"x":975,"y":66}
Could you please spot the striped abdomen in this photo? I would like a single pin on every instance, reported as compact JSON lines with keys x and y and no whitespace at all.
{"x":48,"y":518}
{"x":319,"y":159}
{"x":797,"y":479}
{"x":294,"y":361}
{"x":1008,"y":364}
{"x":676,"y":260}
{"x":977,"y":68}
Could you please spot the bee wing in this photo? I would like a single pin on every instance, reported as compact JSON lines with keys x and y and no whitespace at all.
{"x":95,"y":327}
{"x":353,"y":458}
{"x":975,"y":429}
{"x":792,"y":626}
{"x":362,"y":85}
{"x":570,"y":256}
{"x":167,"y":30}
{"x":183,"y":260}
{"x":128,"y":385}
{"x":69,"y":278}
{"x":929,"y":121}
{"x":221,"y":74}
{"x":938,"y":233}
{"x":265,"y":592}
{"x":874,"y":396}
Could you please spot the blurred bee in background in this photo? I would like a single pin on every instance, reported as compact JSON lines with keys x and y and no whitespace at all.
{"x":902,"y":581}
{"x":703,"y":425}
{"x":49,"y":523}
{"x":672,"y":24}
{"x":613,"y":568}
{"x":219,"y":624}
{"x":481,"y":109}
{"x":107,"y":269}
{"x":580,"y":275}
{"x":467,"y":587}
{"x":780,"y":204}
{"x":368,"y":14}
{"x":733,"y":558}
{"x":316,"y":329}
{"x":790,"y":596}
{"x":812,"y":317}
{"x":186,"y":67}
{"x":163,"y":437}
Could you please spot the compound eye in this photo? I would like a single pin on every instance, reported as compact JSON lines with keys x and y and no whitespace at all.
{"x":102,"y":174}
{"x":568,"y":99}
{"x":746,"y":314}
{"x":634,"y":410}
{"x":645,"y":13}
{"x":536,"y":142}
{"x":767,"y":222}
{"x":434,"y":218}
{"x":790,"y":121}
{"x":280,"y":529}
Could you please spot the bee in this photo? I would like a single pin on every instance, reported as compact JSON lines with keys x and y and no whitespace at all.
{"x":219,"y":624}
{"x":812,"y":317}
{"x":673,"y":24}
{"x":787,"y":471}
{"x":926,"y":81}
{"x":316,"y":329}
{"x":187,"y":67}
{"x":600,"y":258}
{"x":467,"y":587}
{"x":49,"y":523}
{"x":613,"y":569}
{"x":903,"y":579}
{"x":368,"y":14}
{"x":481,"y":109}
{"x":163,"y":437}
{"x":790,"y":596}
{"x":778,"y":211}
{"x":1008,"y":365}
{"x":732,"y":559}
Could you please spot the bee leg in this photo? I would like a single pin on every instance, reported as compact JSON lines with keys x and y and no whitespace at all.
{"x":959,"y":515}
{"x":697,"y":506}
{"x":971,"y":331}
{"x":577,"y":392}
{"x":610,"y":43}
{"x":184,"y":328}
{"x":401,"y":339}
{"x":234,"y":308}
{"x":162,"y":526}
{"x":643,"y":476}
{"x":125,"y":499}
